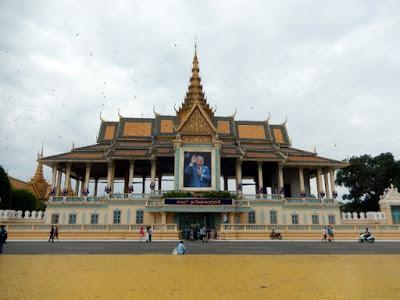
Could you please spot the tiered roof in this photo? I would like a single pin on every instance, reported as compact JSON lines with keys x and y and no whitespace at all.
{"x":145,"y":138}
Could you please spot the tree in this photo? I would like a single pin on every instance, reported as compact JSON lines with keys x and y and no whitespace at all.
{"x":41,"y":205}
{"x":366,"y":178}
{"x":22,"y":200}
{"x":5,"y":190}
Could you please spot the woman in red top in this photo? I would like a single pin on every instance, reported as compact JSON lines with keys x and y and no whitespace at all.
{"x":141,"y":233}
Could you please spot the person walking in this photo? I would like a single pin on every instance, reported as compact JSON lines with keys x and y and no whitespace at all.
{"x":330,"y":233}
{"x":55,"y":233}
{"x":147,"y":234}
{"x":141,"y":233}
{"x":150,"y":233}
{"x":51,"y":238}
{"x":324,"y":235}
{"x":205,"y":234}
{"x":3,"y":237}
{"x":202,"y":233}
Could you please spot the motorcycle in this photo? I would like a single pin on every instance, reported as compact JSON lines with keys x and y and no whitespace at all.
{"x":275,"y":236}
{"x":366,"y":238}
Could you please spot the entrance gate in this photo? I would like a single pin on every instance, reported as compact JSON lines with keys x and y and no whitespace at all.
{"x":396,"y":214}
{"x":190,"y":223}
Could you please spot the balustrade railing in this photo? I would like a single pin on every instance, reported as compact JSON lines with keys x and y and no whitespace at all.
{"x":254,"y":197}
{"x":130,"y":196}
{"x":90,"y":199}
{"x":174,"y":227}
{"x":57,"y":199}
{"x":95,"y":227}
{"x":89,"y":227}
{"x":299,"y":227}
{"x":241,"y":200}
{"x":309,"y":200}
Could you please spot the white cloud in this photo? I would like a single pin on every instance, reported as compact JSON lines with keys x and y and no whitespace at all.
{"x":332,"y":68}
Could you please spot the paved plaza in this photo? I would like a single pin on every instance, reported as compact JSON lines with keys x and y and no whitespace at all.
{"x":199,"y":276}
{"x":197,"y":247}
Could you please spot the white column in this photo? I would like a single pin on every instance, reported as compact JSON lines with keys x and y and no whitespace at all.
{"x":109,"y":173}
{"x":87,"y":177}
{"x":131,"y":172}
{"x":238,"y":173}
{"x":260,"y":176}
{"x":53,"y":177}
{"x":59,"y":175}
{"x":153,"y":174}
{"x":326,"y":182}
{"x":67,"y":177}
{"x":301,"y":180}
{"x":163,"y":217}
{"x":319,"y":185}
{"x":332,"y":177}
{"x":77,"y":187}
{"x":280,"y":177}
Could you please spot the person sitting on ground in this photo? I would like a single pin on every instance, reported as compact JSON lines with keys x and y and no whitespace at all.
{"x":367,"y":233}
{"x":180,"y":248}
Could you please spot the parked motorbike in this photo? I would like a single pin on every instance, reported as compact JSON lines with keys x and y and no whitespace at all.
{"x":275,"y":236}
{"x":366,"y":238}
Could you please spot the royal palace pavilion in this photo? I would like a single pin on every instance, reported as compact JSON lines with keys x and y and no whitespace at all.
{"x":173,"y":170}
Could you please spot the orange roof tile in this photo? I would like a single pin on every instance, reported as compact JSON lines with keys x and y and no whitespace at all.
{"x":109,"y":132}
{"x":278,"y":135}
{"x":129,"y":152}
{"x":261,"y":154}
{"x":308,"y":158}
{"x":223,"y":127}
{"x":137,"y":129}
{"x":92,"y":155}
{"x":247,"y":131}
{"x":167,"y":126}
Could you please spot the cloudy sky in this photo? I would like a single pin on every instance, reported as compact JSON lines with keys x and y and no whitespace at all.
{"x":331,"y":67}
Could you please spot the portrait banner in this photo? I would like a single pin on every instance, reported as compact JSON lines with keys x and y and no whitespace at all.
{"x":197,"y":169}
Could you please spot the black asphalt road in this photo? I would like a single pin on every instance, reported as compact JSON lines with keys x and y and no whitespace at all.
{"x":241,"y":247}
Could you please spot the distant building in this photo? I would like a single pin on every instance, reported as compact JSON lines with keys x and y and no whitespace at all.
{"x":199,"y":152}
{"x":38,"y":185}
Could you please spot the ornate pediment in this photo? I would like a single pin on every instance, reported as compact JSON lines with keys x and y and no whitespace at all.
{"x":41,"y":189}
{"x":197,"y":122}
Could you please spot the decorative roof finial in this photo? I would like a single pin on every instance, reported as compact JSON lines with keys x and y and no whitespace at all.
{"x":73,"y":145}
{"x":119,"y":115}
{"x":315,"y":149}
{"x":234,"y":114}
{"x":101,"y":119}
{"x":40,"y":153}
{"x":269,"y":117}
{"x":154,"y":111}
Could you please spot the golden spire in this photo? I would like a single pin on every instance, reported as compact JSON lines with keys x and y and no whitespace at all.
{"x":39,"y":169}
{"x":195,"y":94}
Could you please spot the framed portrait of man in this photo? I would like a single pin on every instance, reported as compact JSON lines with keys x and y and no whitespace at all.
{"x":197,"y":170}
